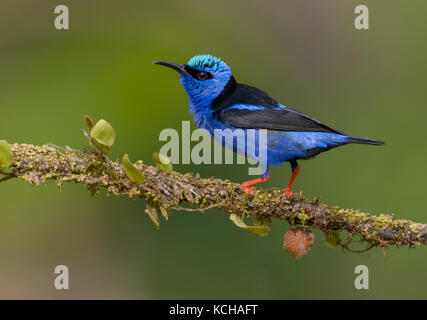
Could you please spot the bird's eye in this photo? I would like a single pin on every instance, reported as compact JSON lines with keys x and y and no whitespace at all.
{"x":201,"y":75}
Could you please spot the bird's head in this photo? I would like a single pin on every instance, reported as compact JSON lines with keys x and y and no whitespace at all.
{"x":203,"y":78}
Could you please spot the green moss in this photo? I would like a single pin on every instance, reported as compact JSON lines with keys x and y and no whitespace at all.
{"x":38,"y":164}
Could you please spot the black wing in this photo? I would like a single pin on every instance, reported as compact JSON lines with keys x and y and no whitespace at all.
{"x":237,"y":93}
{"x":272,"y":116}
{"x":286,"y":119}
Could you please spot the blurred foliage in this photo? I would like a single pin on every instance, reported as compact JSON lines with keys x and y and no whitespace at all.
{"x":306,"y":54}
{"x":5,"y":154}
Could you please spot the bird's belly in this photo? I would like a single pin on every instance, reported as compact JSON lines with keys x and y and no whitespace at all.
{"x":262,"y":147}
{"x":277,"y":147}
{"x":284,"y":146}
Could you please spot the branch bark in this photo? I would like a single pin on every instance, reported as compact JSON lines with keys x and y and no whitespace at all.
{"x":38,"y":164}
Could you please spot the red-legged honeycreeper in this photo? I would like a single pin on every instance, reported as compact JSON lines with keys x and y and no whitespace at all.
{"x":217,"y":101}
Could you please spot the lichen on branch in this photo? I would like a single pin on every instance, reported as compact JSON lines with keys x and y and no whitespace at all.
{"x":38,"y":164}
{"x":163,"y":189}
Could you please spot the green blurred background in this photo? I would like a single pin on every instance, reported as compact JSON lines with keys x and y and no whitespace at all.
{"x":306,"y":54}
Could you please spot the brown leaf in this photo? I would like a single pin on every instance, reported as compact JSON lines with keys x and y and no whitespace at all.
{"x":298,"y":241}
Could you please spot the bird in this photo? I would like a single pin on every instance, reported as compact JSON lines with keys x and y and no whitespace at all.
{"x":218,"y":101}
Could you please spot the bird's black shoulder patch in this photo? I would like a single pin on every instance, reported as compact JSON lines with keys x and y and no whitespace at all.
{"x":237,"y":93}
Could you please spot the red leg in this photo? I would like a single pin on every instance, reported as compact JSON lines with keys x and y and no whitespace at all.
{"x":247,"y":184}
{"x":295,"y":170}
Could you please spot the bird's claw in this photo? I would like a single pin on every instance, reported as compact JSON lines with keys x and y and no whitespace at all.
{"x":247,"y":189}
{"x":288,"y":192}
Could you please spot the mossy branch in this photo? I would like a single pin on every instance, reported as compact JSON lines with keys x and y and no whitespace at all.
{"x":38,"y":164}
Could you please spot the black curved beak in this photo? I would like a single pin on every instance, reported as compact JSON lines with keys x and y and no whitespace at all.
{"x":175,"y":66}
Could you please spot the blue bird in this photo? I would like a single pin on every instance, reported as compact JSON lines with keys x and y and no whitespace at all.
{"x":217,"y":101}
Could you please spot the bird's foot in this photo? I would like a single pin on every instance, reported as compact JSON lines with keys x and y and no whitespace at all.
{"x":246,"y":188}
{"x":288,"y":192}
{"x":245,"y":185}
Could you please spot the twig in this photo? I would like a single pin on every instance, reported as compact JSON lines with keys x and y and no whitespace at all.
{"x":197,"y":209}
{"x":38,"y":164}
